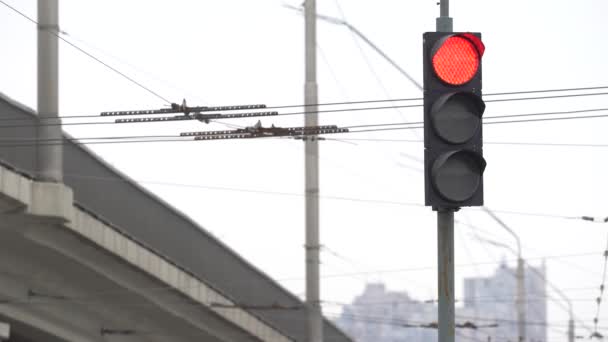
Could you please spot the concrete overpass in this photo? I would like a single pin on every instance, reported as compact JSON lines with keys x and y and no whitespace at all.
{"x":99,"y":265}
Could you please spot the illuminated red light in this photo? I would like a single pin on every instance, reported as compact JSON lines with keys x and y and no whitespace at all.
{"x":456,"y":61}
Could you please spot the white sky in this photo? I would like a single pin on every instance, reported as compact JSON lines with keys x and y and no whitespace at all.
{"x":243,"y":52}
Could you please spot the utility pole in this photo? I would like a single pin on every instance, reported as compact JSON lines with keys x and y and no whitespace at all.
{"x":521,"y":296}
{"x":445,"y":234}
{"x":445,"y":275}
{"x":571,"y":328}
{"x":49,"y":155}
{"x":311,"y":165}
{"x":520,"y":300}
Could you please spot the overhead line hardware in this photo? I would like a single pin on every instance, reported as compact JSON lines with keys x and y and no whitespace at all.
{"x":183,"y":108}
{"x":206,"y":118}
{"x":258,"y":131}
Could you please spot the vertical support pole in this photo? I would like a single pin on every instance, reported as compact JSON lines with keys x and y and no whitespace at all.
{"x":521,"y":299}
{"x":49,"y":136}
{"x":445,"y":234}
{"x":445,"y":276}
{"x":571,"y":328}
{"x":444,"y":22}
{"x":311,"y":164}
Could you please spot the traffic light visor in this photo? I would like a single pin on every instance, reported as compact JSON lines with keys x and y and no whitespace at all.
{"x":456,"y":58}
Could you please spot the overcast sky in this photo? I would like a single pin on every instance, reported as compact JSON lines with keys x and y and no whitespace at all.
{"x":231,"y":52}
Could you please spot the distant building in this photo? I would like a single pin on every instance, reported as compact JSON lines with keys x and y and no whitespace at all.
{"x":378,"y":315}
{"x":493,"y":298}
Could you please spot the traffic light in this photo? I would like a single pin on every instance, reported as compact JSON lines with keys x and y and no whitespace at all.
{"x":453,"y":109}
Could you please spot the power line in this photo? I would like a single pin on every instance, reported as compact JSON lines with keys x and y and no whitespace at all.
{"x":354,"y":33}
{"x":382,"y":319}
{"x":485,"y":123}
{"x":386,"y":100}
{"x":412,"y":106}
{"x":379,"y":125}
{"x":526,"y":143}
{"x":90,"y":55}
{"x":411,"y":125}
{"x":578,"y":111}
{"x":546,"y":91}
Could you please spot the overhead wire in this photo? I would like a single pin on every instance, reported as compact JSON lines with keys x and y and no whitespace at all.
{"x":339,"y":110}
{"x":464,"y":317}
{"x":370,"y":67}
{"x":372,"y":129}
{"x":523,"y":143}
{"x":377,"y":101}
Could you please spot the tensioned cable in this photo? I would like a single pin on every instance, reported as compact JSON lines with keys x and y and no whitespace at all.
{"x":501,"y":117}
{"x":77,"y":141}
{"x":483,"y":319}
{"x":485,"y":123}
{"x":523,"y":143}
{"x":420,"y":105}
{"x":347,"y":103}
{"x":90,"y":55}
{"x":590,"y":110}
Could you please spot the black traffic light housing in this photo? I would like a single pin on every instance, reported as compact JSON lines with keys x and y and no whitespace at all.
{"x":453,"y":110}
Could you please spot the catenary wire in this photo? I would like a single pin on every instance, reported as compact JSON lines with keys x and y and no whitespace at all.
{"x":523,"y":143}
{"x":348,"y":132}
{"x":412,"y":125}
{"x":577,"y":111}
{"x":370,"y":67}
{"x":372,"y":101}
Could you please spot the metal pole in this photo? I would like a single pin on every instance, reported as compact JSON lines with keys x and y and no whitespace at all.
{"x":444,"y":22}
{"x":445,"y":276}
{"x":445,"y":234}
{"x":49,"y":156}
{"x":311,"y":164}
{"x":571,"y":329}
{"x":521,"y":298}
